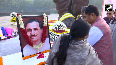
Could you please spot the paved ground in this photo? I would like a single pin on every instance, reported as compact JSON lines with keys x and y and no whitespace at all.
{"x":12,"y":46}
{"x":5,"y":22}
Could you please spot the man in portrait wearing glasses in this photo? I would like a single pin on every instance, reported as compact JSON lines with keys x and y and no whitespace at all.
{"x":99,"y":35}
{"x":109,"y":16}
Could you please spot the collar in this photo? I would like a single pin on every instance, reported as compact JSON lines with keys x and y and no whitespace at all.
{"x":98,"y":18}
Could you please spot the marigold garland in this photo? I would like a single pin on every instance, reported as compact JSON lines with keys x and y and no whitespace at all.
{"x":42,"y":63}
{"x":65,"y":16}
{"x":24,"y":34}
{"x":41,"y":55}
{"x":46,"y":51}
{"x":1,"y":61}
{"x":19,"y":16}
{"x":44,"y":35}
{"x":26,"y":57}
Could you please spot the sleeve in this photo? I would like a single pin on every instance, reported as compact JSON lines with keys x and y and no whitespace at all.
{"x":53,"y":50}
{"x":95,"y":34}
{"x":104,"y":18}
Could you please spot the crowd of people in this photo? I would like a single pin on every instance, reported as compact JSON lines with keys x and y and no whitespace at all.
{"x":91,"y":40}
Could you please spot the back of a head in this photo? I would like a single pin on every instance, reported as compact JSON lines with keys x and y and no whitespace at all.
{"x":79,"y":29}
{"x":92,"y":9}
{"x":83,"y":8}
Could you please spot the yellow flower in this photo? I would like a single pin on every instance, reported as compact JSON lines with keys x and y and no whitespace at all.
{"x":13,"y":19}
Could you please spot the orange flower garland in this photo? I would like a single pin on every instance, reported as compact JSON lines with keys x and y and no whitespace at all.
{"x":1,"y":61}
{"x":42,"y":63}
{"x":41,"y":54}
{"x":44,"y":34}
{"x":36,"y":55}
{"x":46,"y":51}
{"x":26,"y":57}
{"x":24,"y":34}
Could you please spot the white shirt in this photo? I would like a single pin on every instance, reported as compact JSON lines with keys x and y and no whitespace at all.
{"x":95,"y":34}
{"x":29,"y":50}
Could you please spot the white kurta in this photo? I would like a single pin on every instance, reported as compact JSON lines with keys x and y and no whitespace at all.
{"x":95,"y":34}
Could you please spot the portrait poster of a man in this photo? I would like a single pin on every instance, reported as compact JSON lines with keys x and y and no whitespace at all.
{"x":35,"y":30}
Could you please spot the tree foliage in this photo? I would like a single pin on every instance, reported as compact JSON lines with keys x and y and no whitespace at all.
{"x":34,"y":6}
{"x":98,"y":3}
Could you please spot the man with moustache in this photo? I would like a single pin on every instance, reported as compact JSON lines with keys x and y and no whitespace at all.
{"x":34,"y":29}
{"x":99,"y":35}
{"x":109,"y":17}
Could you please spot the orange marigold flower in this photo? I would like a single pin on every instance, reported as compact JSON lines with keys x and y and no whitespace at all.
{"x":32,"y":55}
{"x":23,"y":58}
{"x":27,"y":57}
{"x":1,"y":61}
{"x":35,"y":54}
{"x":42,"y":63}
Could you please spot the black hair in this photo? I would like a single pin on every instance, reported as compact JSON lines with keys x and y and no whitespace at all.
{"x":34,"y":20}
{"x":79,"y":29}
{"x":92,"y":9}
{"x":83,"y":8}
{"x":114,"y":11}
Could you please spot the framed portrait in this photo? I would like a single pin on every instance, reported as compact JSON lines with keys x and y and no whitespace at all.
{"x":34,"y":38}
